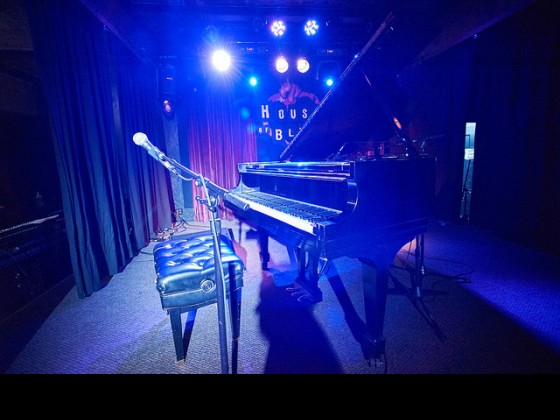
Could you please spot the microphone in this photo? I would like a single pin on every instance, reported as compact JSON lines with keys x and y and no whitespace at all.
{"x":140,"y":139}
{"x":236,"y":201}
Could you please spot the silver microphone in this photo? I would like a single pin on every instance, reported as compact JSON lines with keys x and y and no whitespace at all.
{"x":141,"y":139}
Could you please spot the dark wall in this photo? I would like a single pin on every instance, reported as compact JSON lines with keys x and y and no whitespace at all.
{"x":516,"y":179}
{"x":504,"y":79}
{"x":34,"y":252}
{"x":29,"y":183}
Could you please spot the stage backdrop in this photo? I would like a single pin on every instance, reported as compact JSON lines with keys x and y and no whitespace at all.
{"x":282,"y":108}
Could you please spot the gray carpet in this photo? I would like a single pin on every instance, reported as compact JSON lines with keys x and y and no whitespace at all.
{"x":488,"y":307}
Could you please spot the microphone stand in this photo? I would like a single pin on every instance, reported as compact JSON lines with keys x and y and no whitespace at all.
{"x":212,"y":192}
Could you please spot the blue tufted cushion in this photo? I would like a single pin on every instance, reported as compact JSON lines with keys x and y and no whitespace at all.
{"x":186,"y":274}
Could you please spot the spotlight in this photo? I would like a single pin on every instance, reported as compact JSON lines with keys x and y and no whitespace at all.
{"x":278,"y":28}
{"x":311,"y":27}
{"x":328,"y":72}
{"x":168,"y":109}
{"x":253,"y":81}
{"x":282,"y":65}
{"x":221,"y":60}
{"x":302,"y":65}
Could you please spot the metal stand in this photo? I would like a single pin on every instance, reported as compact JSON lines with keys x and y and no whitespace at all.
{"x":211,"y":202}
{"x":419,"y":271}
{"x":466,"y":197}
{"x":416,"y":293}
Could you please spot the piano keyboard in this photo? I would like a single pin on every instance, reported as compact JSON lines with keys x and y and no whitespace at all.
{"x":298,"y":214}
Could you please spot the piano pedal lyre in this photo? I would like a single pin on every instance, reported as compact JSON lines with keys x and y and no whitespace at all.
{"x":301,"y":294}
{"x":306,"y":287}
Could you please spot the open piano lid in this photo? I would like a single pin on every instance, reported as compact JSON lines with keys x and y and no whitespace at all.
{"x":350,"y":112}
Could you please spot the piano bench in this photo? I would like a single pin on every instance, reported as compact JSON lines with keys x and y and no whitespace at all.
{"x":186,"y":280}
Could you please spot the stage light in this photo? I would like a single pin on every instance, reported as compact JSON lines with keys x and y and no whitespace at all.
{"x":278,"y":28}
{"x":168,"y":109}
{"x":221,"y":60}
{"x":328,"y":72}
{"x":302,"y":65}
{"x":253,"y":81}
{"x":281,"y":65}
{"x":311,"y":27}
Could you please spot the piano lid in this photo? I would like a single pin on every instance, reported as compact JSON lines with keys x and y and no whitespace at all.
{"x":350,"y":112}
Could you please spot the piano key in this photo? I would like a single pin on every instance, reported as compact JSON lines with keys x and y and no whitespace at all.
{"x":275,"y":207}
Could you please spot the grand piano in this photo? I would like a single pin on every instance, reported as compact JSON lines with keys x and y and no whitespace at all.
{"x":328,"y":196}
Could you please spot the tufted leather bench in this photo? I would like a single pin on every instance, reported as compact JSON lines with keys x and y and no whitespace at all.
{"x":186,"y":280}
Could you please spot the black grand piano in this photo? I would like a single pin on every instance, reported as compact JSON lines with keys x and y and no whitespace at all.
{"x":327,"y":199}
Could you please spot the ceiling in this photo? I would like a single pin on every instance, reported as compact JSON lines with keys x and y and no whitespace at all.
{"x":152,"y":29}
{"x":419,"y":30}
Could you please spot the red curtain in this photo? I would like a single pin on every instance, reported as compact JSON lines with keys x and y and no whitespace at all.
{"x":219,"y":136}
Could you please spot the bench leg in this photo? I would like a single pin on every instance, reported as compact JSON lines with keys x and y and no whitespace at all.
{"x":177,"y":329}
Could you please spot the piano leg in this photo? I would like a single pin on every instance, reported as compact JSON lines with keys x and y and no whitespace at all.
{"x":308,"y":275}
{"x":263,"y":245}
{"x":375,"y":278}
